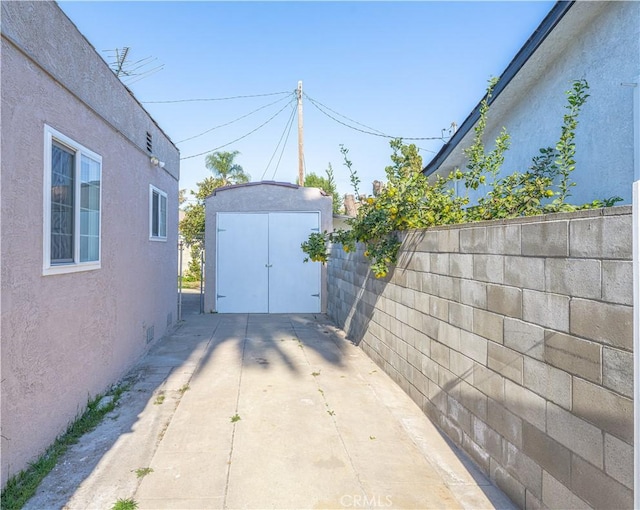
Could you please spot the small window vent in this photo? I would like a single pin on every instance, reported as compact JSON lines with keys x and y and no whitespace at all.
{"x":149,"y":143}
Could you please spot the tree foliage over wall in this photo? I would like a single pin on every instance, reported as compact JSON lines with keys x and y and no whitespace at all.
{"x":326,"y":184}
{"x":409,"y":200}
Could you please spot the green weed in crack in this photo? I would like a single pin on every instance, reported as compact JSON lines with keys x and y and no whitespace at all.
{"x":142,"y":472}
{"x":21,"y":487}
{"x":125,"y":504}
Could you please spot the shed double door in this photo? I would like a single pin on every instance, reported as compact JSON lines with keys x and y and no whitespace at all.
{"x":260,"y":266}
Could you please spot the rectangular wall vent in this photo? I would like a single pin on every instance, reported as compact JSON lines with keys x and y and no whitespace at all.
{"x":149,"y":143}
{"x":150,"y":334}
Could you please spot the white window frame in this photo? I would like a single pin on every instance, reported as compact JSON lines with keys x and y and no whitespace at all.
{"x":161,"y":194}
{"x":50,"y":136}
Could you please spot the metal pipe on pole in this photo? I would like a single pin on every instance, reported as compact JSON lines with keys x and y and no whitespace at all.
{"x":201,"y":281}
{"x":180,"y":248}
{"x":300,"y":138}
{"x":636,"y":292}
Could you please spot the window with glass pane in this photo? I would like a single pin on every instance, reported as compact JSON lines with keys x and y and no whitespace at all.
{"x":62,"y":195}
{"x":72,"y":206}
{"x":89,"y":209}
{"x":158,"y":214}
{"x":163,"y":216}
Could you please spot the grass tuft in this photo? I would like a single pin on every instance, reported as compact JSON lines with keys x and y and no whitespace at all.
{"x":125,"y":504}
{"x":21,"y":487}
{"x":142,"y":472}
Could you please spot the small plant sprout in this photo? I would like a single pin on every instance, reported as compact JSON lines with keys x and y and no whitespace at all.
{"x":184,"y":388}
{"x":159,"y":399}
{"x":331,"y":413}
{"x":235,"y":418}
{"x":315,"y":374}
{"x":142,"y":472}
{"x":125,"y":504}
{"x":372,"y":437}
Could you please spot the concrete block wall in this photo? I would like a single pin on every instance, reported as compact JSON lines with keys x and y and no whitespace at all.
{"x":515,"y":338}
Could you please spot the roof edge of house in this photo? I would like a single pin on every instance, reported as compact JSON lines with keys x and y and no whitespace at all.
{"x":528,"y":49}
{"x":127,"y":89}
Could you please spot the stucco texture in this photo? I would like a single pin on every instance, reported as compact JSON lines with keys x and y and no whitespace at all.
{"x":597,"y":41}
{"x":265,"y":196}
{"x":67,"y":337}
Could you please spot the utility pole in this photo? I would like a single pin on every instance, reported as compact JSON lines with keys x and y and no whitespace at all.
{"x":300,"y":138}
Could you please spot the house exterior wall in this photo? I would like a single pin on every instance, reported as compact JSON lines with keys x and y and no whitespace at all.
{"x":67,"y":337}
{"x":597,"y":41}
{"x":261,"y":197}
{"x":515,"y":337}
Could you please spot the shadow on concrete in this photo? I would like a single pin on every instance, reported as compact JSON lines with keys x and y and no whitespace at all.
{"x":356,"y":314}
{"x":156,"y":385}
{"x":259,"y":338}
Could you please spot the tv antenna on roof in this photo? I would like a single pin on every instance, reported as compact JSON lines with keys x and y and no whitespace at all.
{"x":130,"y":72}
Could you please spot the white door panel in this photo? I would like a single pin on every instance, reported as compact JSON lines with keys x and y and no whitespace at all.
{"x":294,"y":286}
{"x":242,"y":273}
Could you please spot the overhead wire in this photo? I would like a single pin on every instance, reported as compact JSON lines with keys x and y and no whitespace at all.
{"x":242,"y":137}
{"x":343,"y":116}
{"x":324,"y":109}
{"x":283,"y":147}
{"x":287,"y":127}
{"x":374,"y":133}
{"x":231,"y":122}
{"x":214,"y":98}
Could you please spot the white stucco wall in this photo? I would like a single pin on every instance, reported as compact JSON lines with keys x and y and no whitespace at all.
{"x":261,"y":197}
{"x":67,"y":337}
{"x":597,"y":41}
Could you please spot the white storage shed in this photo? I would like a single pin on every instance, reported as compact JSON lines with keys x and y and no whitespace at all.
{"x":253,"y":259}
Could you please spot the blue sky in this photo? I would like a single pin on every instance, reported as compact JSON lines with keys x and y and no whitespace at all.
{"x":406,"y":69}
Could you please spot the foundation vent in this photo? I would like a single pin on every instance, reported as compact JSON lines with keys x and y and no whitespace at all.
{"x":150,"y":334}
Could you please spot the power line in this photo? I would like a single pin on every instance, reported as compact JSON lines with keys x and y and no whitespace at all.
{"x":243,"y":136}
{"x":287,"y":126}
{"x":316,"y":104}
{"x":214,"y":98}
{"x":231,"y":122}
{"x":343,"y":116}
{"x":283,"y":147}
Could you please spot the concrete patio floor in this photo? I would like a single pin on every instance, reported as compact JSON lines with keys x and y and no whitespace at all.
{"x":264,"y":411}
